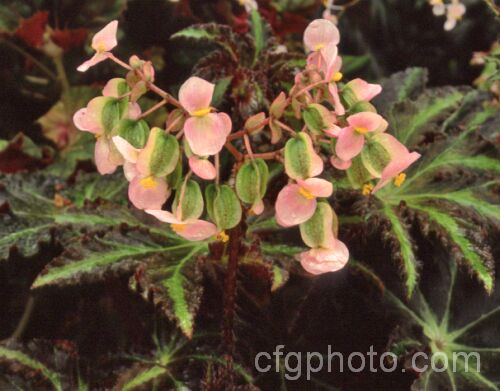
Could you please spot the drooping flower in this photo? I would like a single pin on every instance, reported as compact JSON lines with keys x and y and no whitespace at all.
{"x":438,"y":7}
{"x":394,"y":170}
{"x":358,"y":90}
{"x":296,"y":203}
{"x":103,"y":42}
{"x":206,"y":132}
{"x":352,"y":138}
{"x":327,"y":254}
{"x":191,"y":229}
{"x":323,"y":260}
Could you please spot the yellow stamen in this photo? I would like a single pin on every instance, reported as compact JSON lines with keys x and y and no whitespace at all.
{"x":398,"y":181}
{"x":337,"y":76}
{"x":178,"y":227}
{"x":97,"y":136}
{"x":222,"y":236}
{"x":100,"y":47}
{"x":202,"y":112}
{"x":361,"y":130}
{"x":319,"y":46}
{"x":306,"y":193}
{"x":367,"y":189}
{"x":148,"y":182}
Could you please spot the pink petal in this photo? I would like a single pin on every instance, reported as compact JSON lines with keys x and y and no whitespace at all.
{"x":334,"y":91}
{"x":82,"y":122}
{"x":226,"y":121}
{"x":202,"y":168}
{"x":148,"y":195}
{"x":134,"y":110}
{"x":319,"y":260}
{"x":258,"y":207}
{"x":317,"y":187}
{"x":316,"y":161}
{"x":333,"y":68}
{"x":93,"y":116}
{"x":96,"y":59}
{"x":105,"y":40}
{"x":102,"y":157}
{"x":206,"y":135}
{"x":130,"y":171}
{"x":366,"y":120}
{"x":195,"y":230}
{"x":111,"y":87}
{"x":334,"y":131}
{"x":163,"y":215}
{"x":293,"y":208}
{"x":129,"y":152}
{"x":391,"y":145}
{"x":395,"y":167}
{"x":363,"y":90}
{"x":196,"y":94}
{"x":340,"y":164}
{"x":349,"y":144}
{"x":320,"y":33}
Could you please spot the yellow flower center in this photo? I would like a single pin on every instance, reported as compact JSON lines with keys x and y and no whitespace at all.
{"x":337,"y":76}
{"x":367,"y":189}
{"x":202,"y":112}
{"x":361,"y":130}
{"x":178,"y":227}
{"x":100,"y":47}
{"x":306,"y":194}
{"x":222,"y":236}
{"x":319,"y":46}
{"x":398,"y":181}
{"x":148,"y":182}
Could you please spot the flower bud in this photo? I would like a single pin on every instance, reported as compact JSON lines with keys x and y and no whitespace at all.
{"x":161,"y":154}
{"x":278,"y":106}
{"x":318,"y":118}
{"x":253,"y":124}
{"x":226,"y":208}
{"x":188,"y":202}
{"x":251,"y":181}
{"x":136,"y":132}
{"x":301,"y":161}
{"x":322,"y":228}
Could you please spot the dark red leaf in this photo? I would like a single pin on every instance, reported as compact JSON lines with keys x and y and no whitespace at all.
{"x":31,"y":30}
{"x":69,"y":38}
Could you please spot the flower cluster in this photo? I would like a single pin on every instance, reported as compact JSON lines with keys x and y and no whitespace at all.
{"x":320,"y":120}
{"x":454,"y":11}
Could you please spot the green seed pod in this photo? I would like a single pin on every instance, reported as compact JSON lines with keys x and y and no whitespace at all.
{"x":277,"y":108}
{"x":161,"y":154}
{"x":190,"y":201}
{"x":317,"y":118}
{"x":361,"y":107}
{"x":174,"y":179}
{"x":357,"y":174}
{"x":136,"y":132}
{"x":116,"y":87}
{"x":299,"y":157}
{"x":210,"y":194}
{"x":226,"y":208}
{"x":112,"y":112}
{"x":376,"y":154}
{"x":251,"y":181}
{"x":321,"y":227}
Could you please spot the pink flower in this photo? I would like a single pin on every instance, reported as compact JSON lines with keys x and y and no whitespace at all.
{"x":395,"y":168}
{"x":202,"y":167}
{"x":296,"y":203}
{"x":363,"y":91}
{"x":319,"y":34}
{"x":324,"y":260}
{"x":206,"y":132}
{"x":352,"y":138}
{"x":145,"y":191}
{"x":191,"y":229}
{"x":89,"y":119}
{"x":102,"y":43}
